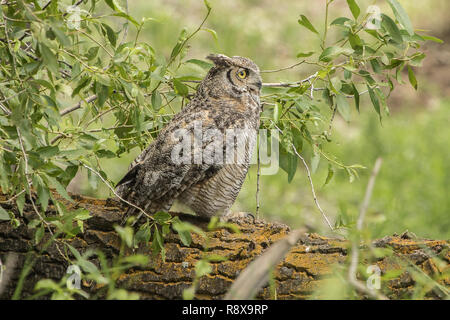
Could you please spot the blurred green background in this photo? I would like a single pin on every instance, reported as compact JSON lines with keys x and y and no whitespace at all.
{"x":412,"y":189}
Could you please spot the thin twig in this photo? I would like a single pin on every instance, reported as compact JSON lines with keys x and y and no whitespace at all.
{"x":285,"y":68}
{"x":290,"y":84}
{"x":78,"y":105}
{"x":115,"y":193}
{"x":14,"y":197}
{"x":312,"y":188}
{"x":5,"y":109}
{"x":308,"y":172}
{"x":25,"y":159}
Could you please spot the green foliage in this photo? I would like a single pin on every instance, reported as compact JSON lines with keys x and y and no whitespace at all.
{"x":75,"y":92}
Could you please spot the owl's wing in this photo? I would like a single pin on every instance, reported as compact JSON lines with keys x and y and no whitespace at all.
{"x":155,"y":180}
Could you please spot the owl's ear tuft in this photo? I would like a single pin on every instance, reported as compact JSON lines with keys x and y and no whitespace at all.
{"x":220,"y":59}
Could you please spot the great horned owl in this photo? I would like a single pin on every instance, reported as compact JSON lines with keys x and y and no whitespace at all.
{"x":226,"y":103}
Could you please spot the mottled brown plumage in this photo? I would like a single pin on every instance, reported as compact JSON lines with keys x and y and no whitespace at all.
{"x":228,"y":98}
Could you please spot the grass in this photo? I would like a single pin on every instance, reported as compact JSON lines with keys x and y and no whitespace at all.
{"x":411,"y":190}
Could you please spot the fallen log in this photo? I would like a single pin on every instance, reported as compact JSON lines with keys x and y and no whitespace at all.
{"x":306,"y":266}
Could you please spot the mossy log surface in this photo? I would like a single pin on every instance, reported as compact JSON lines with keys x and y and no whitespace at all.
{"x":296,"y":276}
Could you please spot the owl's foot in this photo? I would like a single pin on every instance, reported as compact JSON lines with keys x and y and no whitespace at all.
{"x":237,"y":216}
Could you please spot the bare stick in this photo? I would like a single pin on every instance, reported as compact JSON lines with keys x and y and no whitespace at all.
{"x":258,"y":174}
{"x":368,"y":194}
{"x":256,"y":274}
{"x":77,"y":106}
{"x":358,"y":285}
{"x":7,"y":274}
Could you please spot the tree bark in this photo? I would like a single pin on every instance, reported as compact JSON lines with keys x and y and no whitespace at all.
{"x":297,"y":276}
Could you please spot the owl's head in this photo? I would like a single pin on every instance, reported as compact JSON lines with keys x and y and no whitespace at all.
{"x":238,"y":74}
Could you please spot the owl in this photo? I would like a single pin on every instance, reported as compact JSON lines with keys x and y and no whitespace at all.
{"x":201,"y":157}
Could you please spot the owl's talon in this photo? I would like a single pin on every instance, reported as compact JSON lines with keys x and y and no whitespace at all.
{"x":236,"y":216}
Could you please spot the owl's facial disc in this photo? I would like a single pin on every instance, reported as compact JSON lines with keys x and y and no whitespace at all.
{"x":245,"y":79}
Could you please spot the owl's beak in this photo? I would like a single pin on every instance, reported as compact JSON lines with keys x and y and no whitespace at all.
{"x":255,"y":86}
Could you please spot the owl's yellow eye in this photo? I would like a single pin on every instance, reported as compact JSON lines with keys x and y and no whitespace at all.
{"x":242,"y":74}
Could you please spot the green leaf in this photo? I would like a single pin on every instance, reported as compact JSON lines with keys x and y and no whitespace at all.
{"x":49,"y":58}
{"x":112,"y":37}
{"x":189,"y":293}
{"x":401,"y":16}
{"x":181,"y":39}
{"x":143,"y":235}
{"x":276,"y":112}
{"x":81,"y":84}
{"x":120,"y":12}
{"x":336,"y":84}
{"x":20,"y":201}
{"x":42,"y":191}
{"x":128,"y":17}
{"x":376,"y":67}
{"x":39,"y":234}
{"x":137,"y":259}
{"x":304,"y":54}
{"x":183,"y":232}
{"x":58,"y":186}
{"x":412,"y":77}
{"x":162,"y":217}
{"x":180,"y":88}
{"x":356,"y":96}
{"x":102,"y":92}
{"x":212,"y":32}
{"x":306,"y":23}
{"x":343,"y":107}
{"x":47,"y":151}
{"x":431,"y":38}
{"x":63,"y":39}
{"x":416,"y":59}
{"x":356,"y":42}
{"x":315,"y":159}
{"x":157,"y":243}
{"x":288,"y":162}
{"x":207,"y":5}
{"x":92,"y":53}
{"x":331,"y":53}
{"x":156,"y":100}
{"x":203,"y":64}
{"x":354,"y":8}
{"x":126,"y":234}
{"x":329,"y":175}
{"x":340,"y":21}
{"x":4,"y":215}
{"x":391,"y":27}
{"x":202,"y":268}
{"x":375,"y":101}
